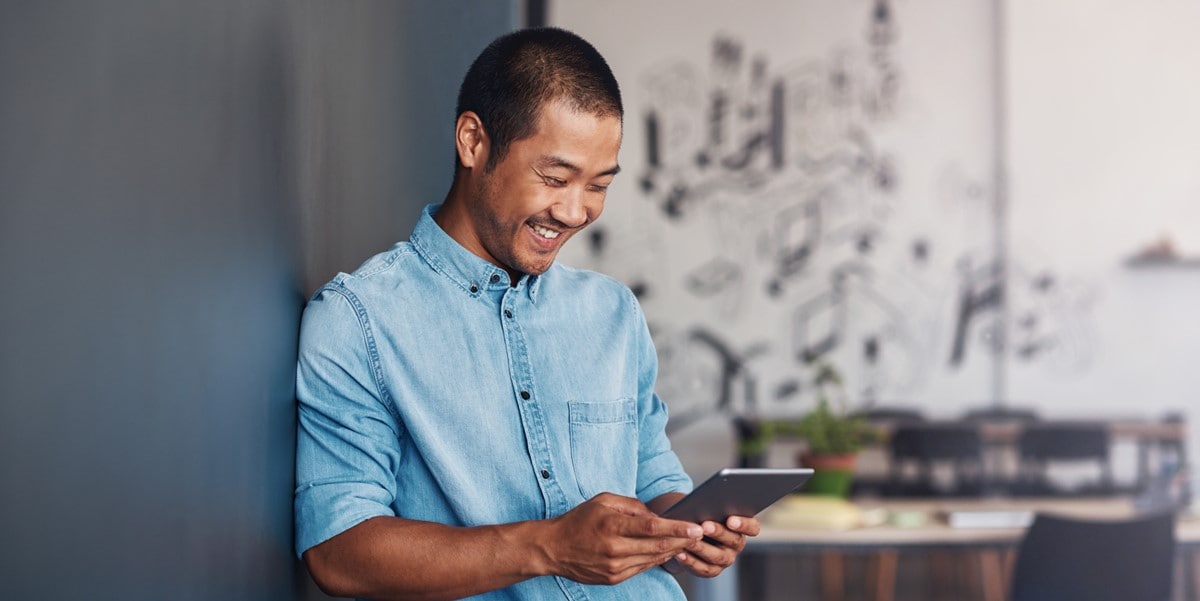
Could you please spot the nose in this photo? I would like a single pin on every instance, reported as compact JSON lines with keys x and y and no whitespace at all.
{"x":570,"y":210}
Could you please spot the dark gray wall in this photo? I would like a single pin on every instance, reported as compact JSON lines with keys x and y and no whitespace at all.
{"x":374,"y":117}
{"x":161,"y":220}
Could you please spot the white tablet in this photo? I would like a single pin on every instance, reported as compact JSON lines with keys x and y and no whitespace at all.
{"x":737,"y":491}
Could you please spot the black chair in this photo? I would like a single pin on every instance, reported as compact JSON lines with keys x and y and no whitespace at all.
{"x":1000,"y":458}
{"x":1045,"y":445}
{"x":928,"y":445}
{"x":875,"y":483}
{"x":890,"y":414}
{"x":1063,"y":559}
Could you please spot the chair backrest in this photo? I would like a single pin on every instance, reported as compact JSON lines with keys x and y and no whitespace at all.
{"x":1064,"y":441}
{"x":936,"y":442}
{"x":891,"y":413}
{"x":1044,"y":443}
{"x":1062,"y":559}
{"x":925,"y":444}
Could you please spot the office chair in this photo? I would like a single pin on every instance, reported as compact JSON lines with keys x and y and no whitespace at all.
{"x":1061,"y":559}
{"x":927,"y":445}
{"x":1042,"y":445}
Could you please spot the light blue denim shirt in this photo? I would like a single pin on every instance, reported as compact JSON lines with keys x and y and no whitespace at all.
{"x":432,"y":390}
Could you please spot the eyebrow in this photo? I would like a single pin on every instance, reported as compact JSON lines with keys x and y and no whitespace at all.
{"x":556,"y":161}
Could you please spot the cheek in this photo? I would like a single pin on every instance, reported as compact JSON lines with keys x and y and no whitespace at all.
{"x":595,"y":208}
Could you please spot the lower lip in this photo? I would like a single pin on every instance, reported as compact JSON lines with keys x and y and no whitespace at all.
{"x":542,"y":242}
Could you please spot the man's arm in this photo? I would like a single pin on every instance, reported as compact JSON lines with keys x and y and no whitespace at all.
{"x":606,"y":540}
{"x":662,"y":502}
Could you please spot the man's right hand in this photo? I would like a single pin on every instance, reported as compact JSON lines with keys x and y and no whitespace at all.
{"x":611,"y":538}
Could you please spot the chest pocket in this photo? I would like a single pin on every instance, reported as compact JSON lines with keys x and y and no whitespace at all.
{"x":604,"y":446}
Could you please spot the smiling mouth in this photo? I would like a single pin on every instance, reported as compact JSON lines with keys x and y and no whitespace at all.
{"x":544,"y":232}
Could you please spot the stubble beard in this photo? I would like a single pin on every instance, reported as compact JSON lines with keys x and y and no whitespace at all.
{"x":496,"y":238}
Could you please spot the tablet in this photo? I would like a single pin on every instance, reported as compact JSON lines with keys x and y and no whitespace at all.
{"x":737,"y":491}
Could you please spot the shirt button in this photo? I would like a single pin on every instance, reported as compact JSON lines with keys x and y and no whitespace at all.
{"x":474,"y":289}
{"x":495,"y":278}
{"x":546,"y":474}
{"x":525,"y":394}
{"x":508,"y":313}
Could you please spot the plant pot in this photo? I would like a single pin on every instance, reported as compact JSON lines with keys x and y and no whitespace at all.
{"x":832,"y":474}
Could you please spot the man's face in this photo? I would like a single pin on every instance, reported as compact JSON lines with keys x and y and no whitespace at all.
{"x":546,"y":188}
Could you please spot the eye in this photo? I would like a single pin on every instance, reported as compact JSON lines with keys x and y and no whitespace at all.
{"x":555,"y":182}
{"x":598,"y":188}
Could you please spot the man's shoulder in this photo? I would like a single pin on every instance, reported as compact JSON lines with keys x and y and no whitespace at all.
{"x":387,"y":269}
{"x":383,"y":272}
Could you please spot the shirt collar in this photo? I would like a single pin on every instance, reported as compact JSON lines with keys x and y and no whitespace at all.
{"x":466,"y":269}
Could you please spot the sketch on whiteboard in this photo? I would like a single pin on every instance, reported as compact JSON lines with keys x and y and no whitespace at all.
{"x":981,"y":293}
{"x":784,"y":223}
{"x":705,"y":374}
{"x":784,"y":157}
{"x":1050,"y":325}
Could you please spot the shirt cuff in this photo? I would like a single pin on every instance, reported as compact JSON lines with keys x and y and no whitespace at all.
{"x":660,"y":475}
{"x":324,"y":511}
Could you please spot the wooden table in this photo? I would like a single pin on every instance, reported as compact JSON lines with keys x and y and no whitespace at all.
{"x":995,"y":546}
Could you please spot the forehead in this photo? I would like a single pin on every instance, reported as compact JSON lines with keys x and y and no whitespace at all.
{"x":582,"y":137}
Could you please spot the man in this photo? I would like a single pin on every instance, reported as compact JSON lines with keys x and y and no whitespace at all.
{"x":474,"y":418}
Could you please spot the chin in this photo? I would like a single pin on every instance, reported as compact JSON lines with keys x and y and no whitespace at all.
{"x":537,"y":269}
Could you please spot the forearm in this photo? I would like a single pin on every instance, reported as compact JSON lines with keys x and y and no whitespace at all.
{"x":392,"y":558}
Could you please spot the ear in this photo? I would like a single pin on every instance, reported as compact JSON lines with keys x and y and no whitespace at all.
{"x":471,"y":141}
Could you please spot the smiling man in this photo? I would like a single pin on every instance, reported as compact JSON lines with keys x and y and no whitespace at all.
{"x":476,"y":419}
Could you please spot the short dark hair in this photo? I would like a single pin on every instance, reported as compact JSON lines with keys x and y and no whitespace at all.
{"x":518,"y":73}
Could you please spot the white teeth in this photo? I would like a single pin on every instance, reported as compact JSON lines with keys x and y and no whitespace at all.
{"x":544,"y":232}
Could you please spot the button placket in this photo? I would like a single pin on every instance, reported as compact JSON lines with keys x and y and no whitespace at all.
{"x":532,"y":419}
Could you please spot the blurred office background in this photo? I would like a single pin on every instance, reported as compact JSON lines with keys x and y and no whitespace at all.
{"x":960,"y":204}
{"x":957,"y":204}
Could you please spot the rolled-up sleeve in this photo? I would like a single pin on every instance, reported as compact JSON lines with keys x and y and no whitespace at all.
{"x":348,"y":436}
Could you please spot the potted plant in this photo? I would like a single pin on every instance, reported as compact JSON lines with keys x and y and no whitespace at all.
{"x":834,"y":437}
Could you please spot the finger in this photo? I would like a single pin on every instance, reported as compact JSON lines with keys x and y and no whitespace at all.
{"x":715,"y":532}
{"x":698,"y":565}
{"x":656,"y":527}
{"x":744,"y":525}
{"x":652,"y":538}
{"x":613,"y":573}
{"x":635,"y":564}
{"x":710,"y":552}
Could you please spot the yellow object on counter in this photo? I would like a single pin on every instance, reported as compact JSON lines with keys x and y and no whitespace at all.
{"x":813,"y":511}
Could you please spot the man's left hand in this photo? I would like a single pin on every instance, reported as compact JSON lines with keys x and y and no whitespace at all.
{"x":720,"y":547}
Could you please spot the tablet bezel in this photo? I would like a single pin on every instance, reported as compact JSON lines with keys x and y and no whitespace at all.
{"x":737,"y":491}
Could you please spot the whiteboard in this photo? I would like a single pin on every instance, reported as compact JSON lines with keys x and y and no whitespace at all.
{"x":803,"y":180}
